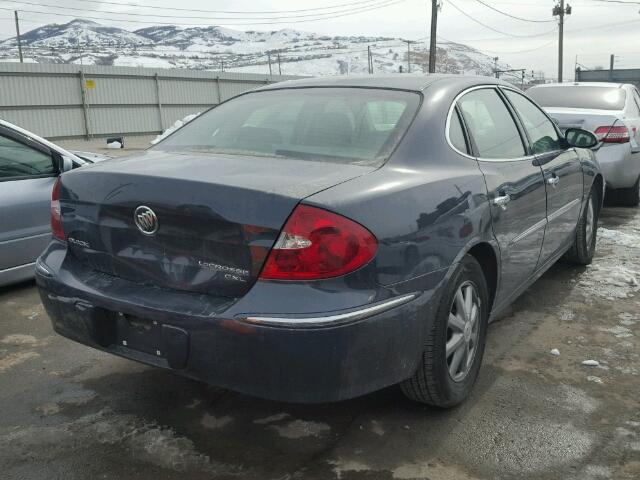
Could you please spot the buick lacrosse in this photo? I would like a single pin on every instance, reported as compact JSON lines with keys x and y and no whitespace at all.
{"x":319,"y":239}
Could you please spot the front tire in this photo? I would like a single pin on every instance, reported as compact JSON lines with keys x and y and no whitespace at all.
{"x":584,"y":244}
{"x":455,"y":342}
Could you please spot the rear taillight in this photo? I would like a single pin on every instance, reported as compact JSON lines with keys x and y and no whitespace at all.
{"x":56,"y":218}
{"x":315,"y":243}
{"x":616,"y":134}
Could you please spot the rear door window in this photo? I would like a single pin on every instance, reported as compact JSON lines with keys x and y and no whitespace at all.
{"x":456,"y":133}
{"x":18,"y":160}
{"x":491,"y":125}
{"x":543,"y":135}
{"x":342,"y":125}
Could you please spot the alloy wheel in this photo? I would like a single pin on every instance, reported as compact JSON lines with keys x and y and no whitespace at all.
{"x":590,"y":224}
{"x":463,"y":330}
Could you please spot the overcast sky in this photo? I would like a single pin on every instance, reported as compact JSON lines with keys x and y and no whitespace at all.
{"x":593,"y":31}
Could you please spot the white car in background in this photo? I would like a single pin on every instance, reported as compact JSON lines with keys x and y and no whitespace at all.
{"x":29,"y":167}
{"x":612,"y":112}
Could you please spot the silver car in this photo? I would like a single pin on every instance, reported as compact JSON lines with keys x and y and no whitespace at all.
{"x":612,"y":112}
{"x":29,"y":166}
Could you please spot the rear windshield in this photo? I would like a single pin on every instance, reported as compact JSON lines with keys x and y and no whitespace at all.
{"x":595,"y":98}
{"x":343,"y":125}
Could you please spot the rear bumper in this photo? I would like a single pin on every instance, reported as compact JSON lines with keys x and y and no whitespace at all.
{"x":313,"y":363}
{"x":620,"y":168}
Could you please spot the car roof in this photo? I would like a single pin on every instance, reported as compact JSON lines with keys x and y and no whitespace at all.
{"x":42,"y":141}
{"x":582,"y":84}
{"x":415,"y":82}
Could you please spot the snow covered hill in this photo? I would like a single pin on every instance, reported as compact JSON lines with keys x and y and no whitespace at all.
{"x":291,"y":52}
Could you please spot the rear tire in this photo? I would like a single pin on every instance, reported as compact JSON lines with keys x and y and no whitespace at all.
{"x":439,"y":381}
{"x":629,"y":197}
{"x":584,"y":245}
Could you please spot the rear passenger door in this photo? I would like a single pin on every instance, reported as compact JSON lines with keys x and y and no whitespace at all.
{"x":562,"y":174}
{"x":514,"y":182}
{"x":27,"y":175}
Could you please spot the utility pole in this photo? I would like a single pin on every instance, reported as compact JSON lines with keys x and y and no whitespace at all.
{"x":369,"y":62}
{"x":269,"y":59}
{"x":433,"y":37}
{"x":560,"y":11}
{"x":279,"y":66}
{"x":495,"y":66}
{"x":408,"y":42}
{"x":612,"y":61}
{"x":18,"y":36}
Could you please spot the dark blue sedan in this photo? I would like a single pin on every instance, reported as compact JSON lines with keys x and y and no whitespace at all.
{"x":320,"y":239}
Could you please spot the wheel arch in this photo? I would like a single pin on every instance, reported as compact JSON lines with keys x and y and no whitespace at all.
{"x":598,"y":181}
{"x":486,"y":255}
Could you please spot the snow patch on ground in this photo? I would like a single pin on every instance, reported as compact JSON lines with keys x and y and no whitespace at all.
{"x":609,"y":281}
{"x":619,"y":238}
{"x":209,"y":421}
{"x":272,"y":419}
{"x":618,"y":331}
{"x":340,"y":467}
{"x":15,"y":359}
{"x":628,"y":319}
{"x":590,"y":363}
{"x":301,"y":429}
{"x":19,"y":339}
{"x":145,"y":441}
{"x":377,"y":428}
{"x":576,"y":399}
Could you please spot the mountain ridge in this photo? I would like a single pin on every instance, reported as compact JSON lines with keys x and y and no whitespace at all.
{"x":289,"y":51}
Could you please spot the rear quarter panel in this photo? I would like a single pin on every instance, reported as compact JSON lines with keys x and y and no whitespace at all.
{"x":427,"y":206}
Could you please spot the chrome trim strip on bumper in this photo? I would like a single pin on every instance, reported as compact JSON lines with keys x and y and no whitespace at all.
{"x":563,"y":210}
{"x":330,"y":320}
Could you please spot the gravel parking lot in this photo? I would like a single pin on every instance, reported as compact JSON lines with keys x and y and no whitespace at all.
{"x":72,"y":412}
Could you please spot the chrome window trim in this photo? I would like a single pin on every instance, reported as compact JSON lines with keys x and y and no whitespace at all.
{"x":452,"y":108}
{"x":329,"y":320}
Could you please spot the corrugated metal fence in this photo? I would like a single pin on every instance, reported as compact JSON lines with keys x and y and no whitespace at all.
{"x":67,"y":101}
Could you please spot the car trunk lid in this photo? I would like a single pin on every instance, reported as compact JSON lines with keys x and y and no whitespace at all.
{"x":584,"y":118}
{"x":217,"y":215}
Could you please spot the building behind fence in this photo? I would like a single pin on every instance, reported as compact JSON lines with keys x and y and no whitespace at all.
{"x":70,"y":101}
{"x":627,"y":75}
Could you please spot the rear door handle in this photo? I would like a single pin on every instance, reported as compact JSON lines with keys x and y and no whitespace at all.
{"x":502,"y":201}
{"x":553,"y":181}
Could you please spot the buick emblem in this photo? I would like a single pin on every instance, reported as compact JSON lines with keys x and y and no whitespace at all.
{"x":146,"y":220}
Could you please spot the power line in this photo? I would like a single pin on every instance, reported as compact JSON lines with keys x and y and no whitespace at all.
{"x":512,"y":16}
{"x":520,"y":51}
{"x":387,"y":3}
{"x":372,"y":3}
{"x":495,"y":29}
{"x":623,"y":2}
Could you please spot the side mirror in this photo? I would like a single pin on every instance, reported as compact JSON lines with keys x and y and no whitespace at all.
{"x":62,"y":163}
{"x":577,"y":137}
